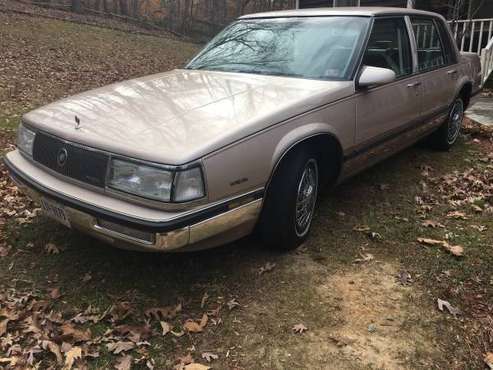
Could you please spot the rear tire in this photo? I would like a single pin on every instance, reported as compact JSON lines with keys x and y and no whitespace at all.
{"x":288,"y":210}
{"x":446,"y":135}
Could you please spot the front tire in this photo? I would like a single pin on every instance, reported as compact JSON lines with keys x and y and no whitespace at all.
{"x":446,"y":136}
{"x":290,"y":202}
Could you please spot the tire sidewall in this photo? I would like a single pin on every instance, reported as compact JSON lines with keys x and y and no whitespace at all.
{"x":277,"y":222}
{"x":451,"y":142}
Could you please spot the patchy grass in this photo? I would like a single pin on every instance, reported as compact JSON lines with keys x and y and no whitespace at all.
{"x":358,"y":315}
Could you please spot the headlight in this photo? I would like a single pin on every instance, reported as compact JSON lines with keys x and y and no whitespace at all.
{"x":25,"y":139}
{"x":189,"y":185}
{"x":156,"y":183}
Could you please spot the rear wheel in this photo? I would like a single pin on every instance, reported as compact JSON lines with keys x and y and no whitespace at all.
{"x":290,"y":202}
{"x":446,"y":136}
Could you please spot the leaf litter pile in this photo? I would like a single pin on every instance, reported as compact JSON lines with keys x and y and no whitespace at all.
{"x":38,"y":331}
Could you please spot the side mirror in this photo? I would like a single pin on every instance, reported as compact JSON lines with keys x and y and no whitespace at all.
{"x":373,"y":76}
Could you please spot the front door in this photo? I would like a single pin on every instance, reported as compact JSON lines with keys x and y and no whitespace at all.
{"x":384,"y":111}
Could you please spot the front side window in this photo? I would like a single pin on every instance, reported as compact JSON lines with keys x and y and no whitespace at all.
{"x":430,"y":49}
{"x":308,"y":47}
{"x":389,"y":47}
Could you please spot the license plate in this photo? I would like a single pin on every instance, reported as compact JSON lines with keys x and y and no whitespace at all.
{"x":55,"y":211}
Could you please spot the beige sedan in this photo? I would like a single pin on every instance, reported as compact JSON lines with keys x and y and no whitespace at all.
{"x":275,"y":107}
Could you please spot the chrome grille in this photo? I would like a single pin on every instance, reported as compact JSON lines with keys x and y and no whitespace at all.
{"x":80,"y":164}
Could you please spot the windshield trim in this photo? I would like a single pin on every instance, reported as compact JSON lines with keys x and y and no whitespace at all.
{"x":351,"y":68}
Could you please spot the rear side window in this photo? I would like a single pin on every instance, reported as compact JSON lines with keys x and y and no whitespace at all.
{"x":389,"y":46}
{"x":430,"y":48}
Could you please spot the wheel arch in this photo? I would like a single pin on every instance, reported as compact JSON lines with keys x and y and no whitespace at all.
{"x":317,"y":137}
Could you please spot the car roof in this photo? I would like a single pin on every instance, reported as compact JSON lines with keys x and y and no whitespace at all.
{"x":370,"y":11}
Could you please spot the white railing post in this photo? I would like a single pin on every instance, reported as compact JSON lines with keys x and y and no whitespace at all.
{"x":481,"y":27}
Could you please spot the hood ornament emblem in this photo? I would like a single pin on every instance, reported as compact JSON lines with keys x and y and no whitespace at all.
{"x":77,"y":123}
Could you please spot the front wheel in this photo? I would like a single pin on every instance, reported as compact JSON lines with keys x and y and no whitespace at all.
{"x":446,"y":136}
{"x":290,"y":204}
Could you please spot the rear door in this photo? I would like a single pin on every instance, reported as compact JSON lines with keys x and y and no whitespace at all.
{"x":384,"y":111}
{"x":436,"y":64}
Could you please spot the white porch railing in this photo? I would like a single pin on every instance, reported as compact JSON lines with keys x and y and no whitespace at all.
{"x":487,"y":60}
{"x":476,"y":36}
{"x":471,"y":34}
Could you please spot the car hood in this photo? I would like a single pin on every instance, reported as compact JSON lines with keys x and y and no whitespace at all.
{"x":182,"y":115}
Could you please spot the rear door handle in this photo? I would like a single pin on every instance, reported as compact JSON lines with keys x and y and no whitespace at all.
{"x":414,"y":84}
{"x":452,"y":72}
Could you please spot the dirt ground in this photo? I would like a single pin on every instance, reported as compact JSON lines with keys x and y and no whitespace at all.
{"x":361,"y":293}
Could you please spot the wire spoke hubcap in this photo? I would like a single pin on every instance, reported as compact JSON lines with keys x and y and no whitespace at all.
{"x":306,"y":198}
{"x":455,"y":121}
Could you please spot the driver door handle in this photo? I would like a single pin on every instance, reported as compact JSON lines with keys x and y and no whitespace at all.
{"x":414,"y":84}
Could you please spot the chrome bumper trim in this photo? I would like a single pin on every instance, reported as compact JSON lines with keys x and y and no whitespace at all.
{"x":233,"y":223}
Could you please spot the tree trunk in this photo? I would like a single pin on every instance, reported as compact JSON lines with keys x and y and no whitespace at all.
{"x":135,"y":8}
{"x":123,"y":7}
{"x":76,"y":6}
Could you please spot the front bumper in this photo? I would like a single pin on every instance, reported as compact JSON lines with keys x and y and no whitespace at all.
{"x":122,"y":223}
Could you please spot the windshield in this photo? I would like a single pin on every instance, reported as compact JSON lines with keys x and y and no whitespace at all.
{"x":316,"y":47}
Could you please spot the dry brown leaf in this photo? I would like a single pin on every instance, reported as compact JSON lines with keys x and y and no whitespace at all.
{"x":159,"y":313}
{"x":51,"y":248}
{"x":488,"y":359}
{"x":70,"y":357}
{"x":68,"y":330}
{"x":4,"y":251}
{"x":457,"y":215}
{"x":361,"y":228}
{"x":476,"y":208}
{"x":196,"y":327}
{"x":119,"y":347}
{"x":134,"y":332}
{"x":55,"y":293}
{"x":209,"y":356}
{"x":365,"y":257}
{"x":432,"y":223}
{"x":456,"y":250}
{"x":205,"y":297}
{"x":196,"y":366}
{"x":453,"y":310}
{"x":299,"y":328}
{"x":266,"y":268}
{"x":204,"y":320}
{"x":124,"y":363}
{"x":233,"y":303}
{"x":53,"y":348}
{"x":166,"y":327}
{"x":177,"y":334}
{"x":3,"y":326}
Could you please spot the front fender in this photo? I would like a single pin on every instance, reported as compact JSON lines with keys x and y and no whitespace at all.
{"x":297,"y":135}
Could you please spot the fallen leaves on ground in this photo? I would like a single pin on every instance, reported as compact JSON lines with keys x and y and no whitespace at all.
{"x":52,"y":248}
{"x":456,"y":250}
{"x":166,"y":328}
{"x":266,"y":268}
{"x":404,"y":278}
{"x":488,"y":359}
{"x":444,"y":304}
{"x":364,"y":257}
{"x":74,"y":354}
{"x":196,"y":327}
{"x":124,"y":362}
{"x":432,"y":224}
{"x":232,"y":303}
{"x":119,"y":347}
{"x":299,"y":328}
{"x":209,"y":356}
{"x":55,"y":293}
